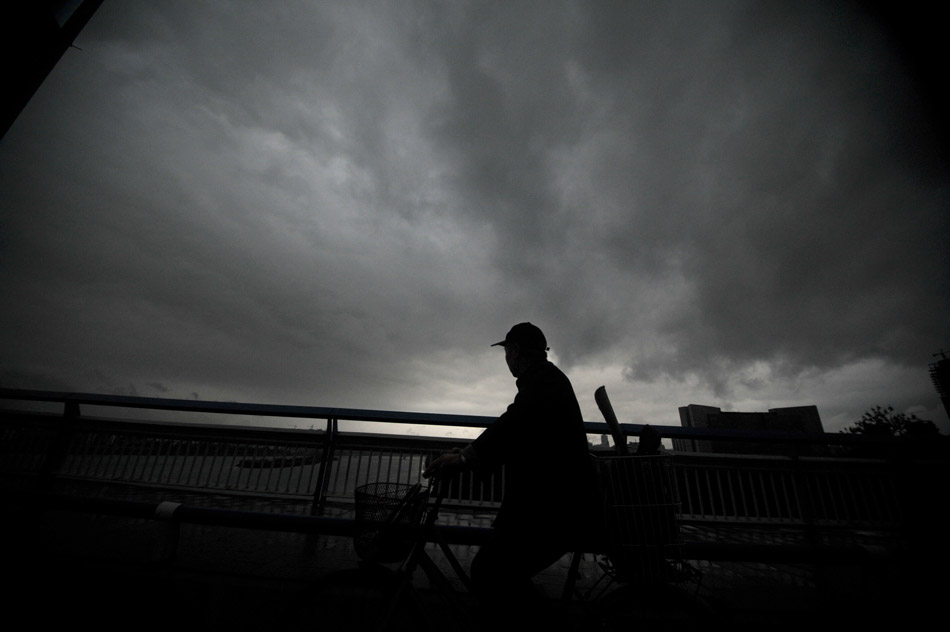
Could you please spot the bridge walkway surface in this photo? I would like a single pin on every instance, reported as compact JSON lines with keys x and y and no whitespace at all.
{"x":81,"y":568}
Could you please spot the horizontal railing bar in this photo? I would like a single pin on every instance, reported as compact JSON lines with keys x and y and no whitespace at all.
{"x":238,"y":408}
{"x":198,"y":430}
{"x":154,"y":426}
{"x":435,"y":419}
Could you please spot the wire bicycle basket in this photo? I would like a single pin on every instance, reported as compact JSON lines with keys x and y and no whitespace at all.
{"x":386,"y":514}
{"x":641,"y":506}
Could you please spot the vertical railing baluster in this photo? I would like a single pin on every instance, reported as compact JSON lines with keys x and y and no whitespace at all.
{"x":149,"y":466}
{"x":699,"y":493}
{"x":875,"y":507}
{"x":289,"y":461}
{"x":322,"y":478}
{"x":765,"y":509}
{"x":722,"y":494}
{"x":121,"y":458}
{"x":96,"y":453}
{"x":270,"y":455}
{"x":315,"y":469}
{"x":220,"y":458}
{"x":260,"y":454}
{"x":776,"y":515}
{"x":270,"y":458}
{"x":786,"y":497}
{"x":752,"y":494}
{"x":242,"y":454}
{"x":167,"y":444}
{"x":354,"y":460}
{"x":843,"y":499}
{"x":192,"y":458}
{"x":733,"y":483}
{"x":228,"y":462}
{"x":708,"y":491}
{"x":78,"y":463}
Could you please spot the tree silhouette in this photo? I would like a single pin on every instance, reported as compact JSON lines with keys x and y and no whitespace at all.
{"x":882,"y":421}
{"x":920,"y":437}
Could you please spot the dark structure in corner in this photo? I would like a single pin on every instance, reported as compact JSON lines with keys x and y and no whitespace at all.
{"x":940,"y":376}
{"x":34,"y":35}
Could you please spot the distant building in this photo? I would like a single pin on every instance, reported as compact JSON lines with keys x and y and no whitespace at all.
{"x":606,"y":446}
{"x":794,"y":419}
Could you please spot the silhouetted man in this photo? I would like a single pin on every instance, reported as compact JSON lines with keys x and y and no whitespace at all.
{"x":549,"y":495}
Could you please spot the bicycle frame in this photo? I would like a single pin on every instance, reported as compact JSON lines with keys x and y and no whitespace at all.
{"x":418,"y":557}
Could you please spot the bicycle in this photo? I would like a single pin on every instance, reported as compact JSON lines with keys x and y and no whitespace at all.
{"x":394,"y":522}
{"x":641,"y":570}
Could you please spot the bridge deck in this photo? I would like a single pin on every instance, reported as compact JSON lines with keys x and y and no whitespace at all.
{"x":112,"y":571}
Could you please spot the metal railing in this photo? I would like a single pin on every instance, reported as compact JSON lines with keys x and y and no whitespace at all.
{"x":788,"y":491}
{"x":323,"y":466}
{"x":319,"y":465}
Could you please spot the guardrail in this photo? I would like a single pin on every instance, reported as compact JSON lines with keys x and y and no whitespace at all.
{"x":322,"y":466}
{"x":789,"y":491}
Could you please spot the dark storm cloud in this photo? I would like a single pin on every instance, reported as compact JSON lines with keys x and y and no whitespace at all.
{"x":762,"y":165}
{"x":344,"y":203}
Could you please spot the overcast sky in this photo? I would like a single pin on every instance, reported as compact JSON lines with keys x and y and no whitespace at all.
{"x":738,"y":204}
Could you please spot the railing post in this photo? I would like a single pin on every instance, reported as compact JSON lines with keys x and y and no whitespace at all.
{"x":56,"y":455}
{"x":806,"y":503}
{"x":326,"y":462}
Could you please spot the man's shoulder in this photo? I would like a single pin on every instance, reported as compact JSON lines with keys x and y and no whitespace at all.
{"x":556,"y":373}
{"x":545,"y":374}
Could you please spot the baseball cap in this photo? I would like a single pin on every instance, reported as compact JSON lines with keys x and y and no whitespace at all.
{"x":525,"y":335}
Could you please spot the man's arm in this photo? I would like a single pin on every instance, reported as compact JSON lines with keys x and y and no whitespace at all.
{"x":507,"y":436}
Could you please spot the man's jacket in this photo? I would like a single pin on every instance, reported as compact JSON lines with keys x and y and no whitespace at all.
{"x":540,"y":439}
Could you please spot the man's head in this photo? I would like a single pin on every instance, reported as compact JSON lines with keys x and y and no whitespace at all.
{"x":524,"y":345}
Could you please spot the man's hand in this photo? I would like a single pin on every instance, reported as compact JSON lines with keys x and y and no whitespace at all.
{"x":445,"y":464}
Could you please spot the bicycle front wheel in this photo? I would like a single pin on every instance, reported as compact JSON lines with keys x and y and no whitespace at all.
{"x":357,"y":600}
